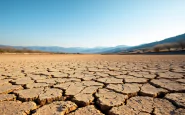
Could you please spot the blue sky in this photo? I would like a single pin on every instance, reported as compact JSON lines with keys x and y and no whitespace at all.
{"x":89,"y":23}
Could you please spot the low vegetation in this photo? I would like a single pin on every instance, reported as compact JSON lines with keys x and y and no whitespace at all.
{"x":165,"y":47}
{"x":13,"y":50}
{"x":176,"y":46}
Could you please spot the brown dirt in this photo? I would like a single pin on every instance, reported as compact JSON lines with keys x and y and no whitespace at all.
{"x":92,"y":84}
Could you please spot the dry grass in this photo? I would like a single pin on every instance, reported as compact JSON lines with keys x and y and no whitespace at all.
{"x":13,"y":50}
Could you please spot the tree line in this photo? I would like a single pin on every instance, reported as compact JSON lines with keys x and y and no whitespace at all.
{"x":179,"y":45}
{"x":13,"y":50}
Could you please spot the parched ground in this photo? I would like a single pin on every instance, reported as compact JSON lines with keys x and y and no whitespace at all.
{"x":92,"y":85}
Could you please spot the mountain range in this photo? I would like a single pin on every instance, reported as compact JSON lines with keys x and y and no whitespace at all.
{"x":68,"y":50}
{"x":167,"y":40}
{"x":149,"y":45}
{"x":116,"y":49}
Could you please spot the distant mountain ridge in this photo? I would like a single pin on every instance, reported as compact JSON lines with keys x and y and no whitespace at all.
{"x":116,"y":49}
{"x":105,"y":49}
{"x":152,"y":44}
{"x":149,"y":45}
{"x":52,"y":48}
{"x":67,"y":50}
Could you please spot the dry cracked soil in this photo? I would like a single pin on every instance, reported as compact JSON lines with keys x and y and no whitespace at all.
{"x":92,"y":84}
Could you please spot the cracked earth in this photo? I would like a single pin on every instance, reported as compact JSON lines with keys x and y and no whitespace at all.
{"x":92,"y":85}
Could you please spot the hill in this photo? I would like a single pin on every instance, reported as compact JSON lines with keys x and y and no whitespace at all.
{"x":148,"y":45}
{"x":152,"y":44}
{"x":116,"y":49}
{"x":105,"y":49}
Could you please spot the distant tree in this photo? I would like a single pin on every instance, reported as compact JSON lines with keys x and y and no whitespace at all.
{"x":156,"y":49}
{"x":181,"y":43}
{"x":144,"y":50}
{"x":13,"y":50}
{"x":168,"y":46}
{"x":175,"y":45}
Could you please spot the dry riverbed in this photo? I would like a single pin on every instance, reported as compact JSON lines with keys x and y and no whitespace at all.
{"x":92,"y":85}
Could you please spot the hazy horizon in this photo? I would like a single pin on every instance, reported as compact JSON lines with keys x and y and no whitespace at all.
{"x":89,"y":23}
